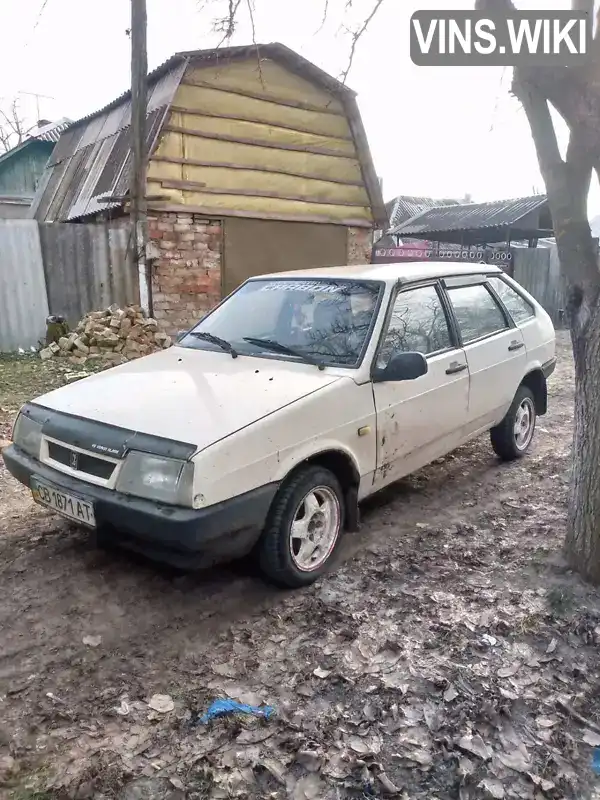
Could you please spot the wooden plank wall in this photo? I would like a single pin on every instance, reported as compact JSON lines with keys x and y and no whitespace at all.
{"x":266,"y":144}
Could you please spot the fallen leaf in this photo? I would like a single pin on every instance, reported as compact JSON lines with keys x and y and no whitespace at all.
{"x":420,"y":756}
{"x":475,"y":745}
{"x":123,"y":709}
{"x":551,"y":647}
{"x":516,"y":761}
{"x":450,"y":694}
{"x":321,"y":673}
{"x":544,"y":784}
{"x":508,"y":672}
{"x":310,"y":787}
{"x":431,"y":715}
{"x":466,"y":766}
{"x":224,"y":669}
{"x":386,"y":784}
{"x":274,"y":768}
{"x":371,"y":745}
{"x":494,"y":788}
{"x":591,"y":738}
{"x":254,"y":736}
{"x":545,"y":722}
{"x":178,"y":784}
{"x":309,"y":760}
{"x":92,"y":641}
{"x":162,"y":703}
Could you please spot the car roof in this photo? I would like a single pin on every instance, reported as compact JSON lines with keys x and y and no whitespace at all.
{"x":391,"y":273}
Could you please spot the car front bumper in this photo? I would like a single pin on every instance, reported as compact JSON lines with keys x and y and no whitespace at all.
{"x":184,"y":537}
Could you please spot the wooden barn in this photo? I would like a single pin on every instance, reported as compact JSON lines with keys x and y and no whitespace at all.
{"x":258,"y":162}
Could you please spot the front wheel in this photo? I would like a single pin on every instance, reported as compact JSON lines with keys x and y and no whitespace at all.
{"x":513,"y":436}
{"x":303,"y":529}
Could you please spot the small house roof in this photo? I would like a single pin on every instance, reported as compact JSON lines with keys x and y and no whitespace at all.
{"x":402,"y":208}
{"x":523,"y":217}
{"x":93,"y":157}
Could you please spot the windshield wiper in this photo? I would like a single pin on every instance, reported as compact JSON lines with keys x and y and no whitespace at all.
{"x":277,"y":347}
{"x":222,"y":343}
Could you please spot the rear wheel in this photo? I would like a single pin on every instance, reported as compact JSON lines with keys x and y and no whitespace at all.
{"x":303,"y":529}
{"x":512,"y":438}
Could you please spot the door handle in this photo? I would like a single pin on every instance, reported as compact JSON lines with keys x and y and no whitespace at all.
{"x":455,"y":367}
{"x":515,"y":346}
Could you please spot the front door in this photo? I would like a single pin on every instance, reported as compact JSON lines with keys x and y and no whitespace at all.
{"x":419,"y":420}
{"x":495,"y":350}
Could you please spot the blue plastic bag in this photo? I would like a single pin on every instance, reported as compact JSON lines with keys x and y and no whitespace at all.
{"x":222,"y":708}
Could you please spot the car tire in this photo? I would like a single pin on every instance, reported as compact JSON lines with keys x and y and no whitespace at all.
{"x":310,"y":504}
{"x":512,"y":437}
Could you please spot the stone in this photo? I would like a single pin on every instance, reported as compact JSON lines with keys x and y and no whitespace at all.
{"x":151,"y":324}
{"x":125,"y":326}
{"x":167,"y":342}
{"x":8,"y":767}
{"x":159,"y":337}
{"x":81,"y":346}
{"x":54,"y":348}
{"x":45,"y":354}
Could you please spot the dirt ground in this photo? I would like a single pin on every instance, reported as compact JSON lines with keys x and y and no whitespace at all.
{"x":451,"y":654}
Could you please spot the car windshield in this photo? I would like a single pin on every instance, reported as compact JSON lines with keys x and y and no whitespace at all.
{"x":326,"y":322}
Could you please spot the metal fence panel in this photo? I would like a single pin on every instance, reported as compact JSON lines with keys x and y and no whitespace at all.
{"x":537,"y":269}
{"x":88,"y":267}
{"x":23,"y":298}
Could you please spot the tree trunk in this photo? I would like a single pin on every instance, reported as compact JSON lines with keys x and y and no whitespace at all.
{"x":582,"y":544}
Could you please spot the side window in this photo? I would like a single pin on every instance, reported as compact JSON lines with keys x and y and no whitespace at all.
{"x":519,"y":309}
{"x":477,"y":312}
{"x":418,"y":323}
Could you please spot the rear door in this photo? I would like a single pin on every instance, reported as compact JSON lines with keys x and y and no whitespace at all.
{"x":419,"y":420}
{"x":494,"y":348}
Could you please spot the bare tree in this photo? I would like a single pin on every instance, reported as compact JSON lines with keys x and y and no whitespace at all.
{"x":227,"y":23}
{"x":13,"y":129}
{"x":575,"y":94}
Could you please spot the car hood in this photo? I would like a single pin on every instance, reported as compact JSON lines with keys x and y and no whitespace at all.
{"x":193,"y":396}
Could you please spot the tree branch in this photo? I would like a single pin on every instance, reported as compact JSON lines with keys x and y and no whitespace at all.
{"x":567,"y":184}
{"x":357,"y":35}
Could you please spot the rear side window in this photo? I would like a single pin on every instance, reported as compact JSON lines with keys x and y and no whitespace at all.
{"x":477,"y":312}
{"x":519,"y":309}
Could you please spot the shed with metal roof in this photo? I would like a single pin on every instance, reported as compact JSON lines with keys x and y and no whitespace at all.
{"x":524,"y":218}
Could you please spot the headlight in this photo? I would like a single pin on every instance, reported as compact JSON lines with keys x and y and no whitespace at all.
{"x":27,"y":435}
{"x":166,"y":480}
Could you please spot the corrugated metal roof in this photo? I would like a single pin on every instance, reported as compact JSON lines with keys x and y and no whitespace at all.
{"x":52,"y":131}
{"x":404,"y":207}
{"x":57,"y":200}
{"x":470,"y":216}
{"x":92,"y":159}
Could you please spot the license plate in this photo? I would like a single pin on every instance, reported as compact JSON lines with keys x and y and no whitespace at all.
{"x":66,"y":504}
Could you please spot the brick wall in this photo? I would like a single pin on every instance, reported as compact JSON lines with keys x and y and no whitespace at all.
{"x":360,"y":242}
{"x":186,"y":278}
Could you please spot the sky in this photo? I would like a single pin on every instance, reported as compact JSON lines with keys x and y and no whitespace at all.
{"x":433,"y":131}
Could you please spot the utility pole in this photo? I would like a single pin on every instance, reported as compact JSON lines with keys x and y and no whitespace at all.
{"x":137,"y":191}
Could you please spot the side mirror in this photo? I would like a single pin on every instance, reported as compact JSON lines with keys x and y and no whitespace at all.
{"x":402,"y":367}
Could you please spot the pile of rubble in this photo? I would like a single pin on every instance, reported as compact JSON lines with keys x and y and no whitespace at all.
{"x":112,"y":336}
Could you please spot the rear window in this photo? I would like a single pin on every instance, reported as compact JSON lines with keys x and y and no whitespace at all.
{"x":477,"y":312}
{"x":519,"y":309}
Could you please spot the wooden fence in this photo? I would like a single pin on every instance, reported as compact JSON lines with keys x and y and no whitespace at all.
{"x":60,"y":268}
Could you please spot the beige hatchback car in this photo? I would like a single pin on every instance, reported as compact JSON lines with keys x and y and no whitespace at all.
{"x":297,"y":397}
